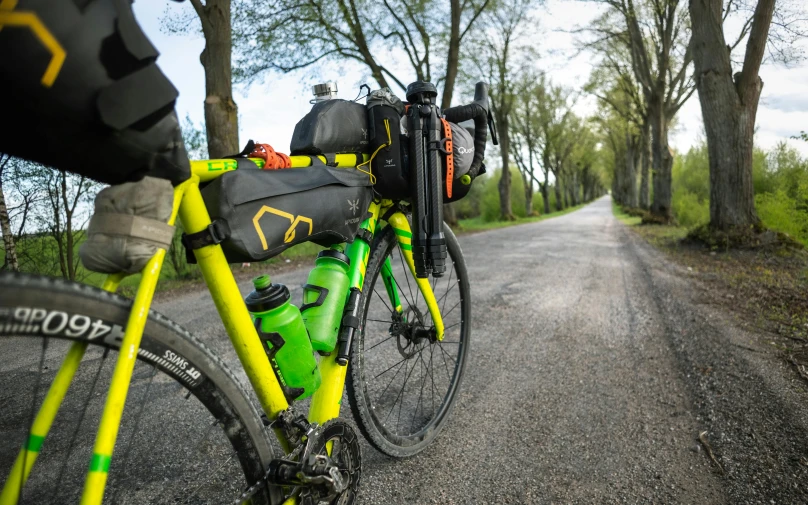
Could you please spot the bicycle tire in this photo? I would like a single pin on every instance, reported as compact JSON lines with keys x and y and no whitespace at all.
{"x":183,"y":368}
{"x":373,"y":351}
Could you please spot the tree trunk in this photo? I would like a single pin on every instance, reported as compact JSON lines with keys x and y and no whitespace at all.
{"x":453,"y":55}
{"x":8,"y":236}
{"x":545,"y":193}
{"x":645,"y":143}
{"x":629,"y":178}
{"x":566,"y":195}
{"x":506,"y":213}
{"x":729,"y":107}
{"x":221,"y":112}
{"x":528,"y":195}
{"x":559,"y":197}
{"x":663,"y":164}
{"x":449,"y":214}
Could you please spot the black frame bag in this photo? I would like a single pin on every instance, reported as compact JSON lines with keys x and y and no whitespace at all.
{"x":389,"y":164}
{"x":264,"y":212}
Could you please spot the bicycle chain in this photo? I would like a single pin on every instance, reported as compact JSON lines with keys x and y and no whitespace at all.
{"x":264,"y":482}
{"x":313,"y":436}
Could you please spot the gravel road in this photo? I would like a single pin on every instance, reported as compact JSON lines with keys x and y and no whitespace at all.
{"x":595,"y":365}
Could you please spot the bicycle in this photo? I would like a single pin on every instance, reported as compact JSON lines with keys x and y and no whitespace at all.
{"x":165,"y":367}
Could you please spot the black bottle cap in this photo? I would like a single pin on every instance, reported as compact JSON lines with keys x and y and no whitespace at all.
{"x":331,"y":253}
{"x":267,"y":296}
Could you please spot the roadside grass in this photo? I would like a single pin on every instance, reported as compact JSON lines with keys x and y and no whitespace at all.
{"x":766,"y":286}
{"x":170,"y":282}
{"x":38,"y":252}
{"x":477,"y":224}
{"x":668,"y":236}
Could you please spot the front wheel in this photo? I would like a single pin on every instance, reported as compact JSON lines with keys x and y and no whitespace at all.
{"x":190,"y":434}
{"x":403,"y":383}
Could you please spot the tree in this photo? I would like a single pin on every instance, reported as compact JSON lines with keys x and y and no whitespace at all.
{"x":289,"y":35}
{"x":496,"y":59}
{"x":544,"y":124}
{"x":10,"y":256}
{"x":729,"y":101}
{"x":65,"y":215}
{"x":527,"y":140}
{"x":221,"y":111}
{"x":656,"y":34}
{"x":615,"y":86}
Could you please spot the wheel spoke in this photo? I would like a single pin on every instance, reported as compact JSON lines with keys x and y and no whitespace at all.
{"x":380,"y":343}
{"x":385,"y":303}
{"x":415,"y":397}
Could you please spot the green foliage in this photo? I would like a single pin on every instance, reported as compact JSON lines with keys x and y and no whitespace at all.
{"x":782,"y":213}
{"x":196,"y":141}
{"x":780,"y":179}
{"x":691,"y":187}
{"x":489,"y":203}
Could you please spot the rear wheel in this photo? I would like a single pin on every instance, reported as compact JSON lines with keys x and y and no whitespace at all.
{"x":189,"y":433}
{"x":403,"y":383}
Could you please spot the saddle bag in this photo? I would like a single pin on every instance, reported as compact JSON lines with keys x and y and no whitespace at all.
{"x":261,"y":213}
{"x":332,"y":126}
{"x":389,"y":147}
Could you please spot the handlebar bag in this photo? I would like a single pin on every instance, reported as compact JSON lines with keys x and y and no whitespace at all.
{"x":462,"y":156}
{"x":92,"y":101}
{"x":332,"y":126}
{"x":261,"y":213}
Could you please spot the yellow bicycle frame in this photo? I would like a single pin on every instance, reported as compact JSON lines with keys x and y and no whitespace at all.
{"x":190,"y":208}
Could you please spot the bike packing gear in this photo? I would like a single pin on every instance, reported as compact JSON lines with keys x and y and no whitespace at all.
{"x":425,"y":145}
{"x":128,"y":226}
{"x":332,"y":126}
{"x":350,"y":324}
{"x":388,"y":165}
{"x":324,"y":297}
{"x":280,"y":327}
{"x":91,"y":100}
{"x":267,"y":212}
{"x":324,"y":91}
{"x":272,"y":160}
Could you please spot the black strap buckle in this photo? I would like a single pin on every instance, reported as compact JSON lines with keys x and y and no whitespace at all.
{"x":216,"y":233}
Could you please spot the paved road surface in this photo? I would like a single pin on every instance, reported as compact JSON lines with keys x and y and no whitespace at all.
{"x":594,"y":366}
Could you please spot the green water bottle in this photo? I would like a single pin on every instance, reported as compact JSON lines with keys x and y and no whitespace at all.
{"x":280,"y":326}
{"x":324,"y":299}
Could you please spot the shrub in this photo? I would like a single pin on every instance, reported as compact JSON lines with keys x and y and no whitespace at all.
{"x":782,"y":213}
{"x":689,"y":209}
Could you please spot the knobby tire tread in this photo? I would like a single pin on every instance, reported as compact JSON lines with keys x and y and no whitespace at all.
{"x":221,"y":393}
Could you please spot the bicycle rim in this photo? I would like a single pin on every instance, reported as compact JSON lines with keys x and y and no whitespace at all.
{"x":403,"y":391}
{"x":188,"y":433}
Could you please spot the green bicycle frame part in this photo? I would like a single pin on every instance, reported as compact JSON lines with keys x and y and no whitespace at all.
{"x":190,"y":208}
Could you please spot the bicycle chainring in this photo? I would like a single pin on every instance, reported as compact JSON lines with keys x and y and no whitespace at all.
{"x":345,"y":459}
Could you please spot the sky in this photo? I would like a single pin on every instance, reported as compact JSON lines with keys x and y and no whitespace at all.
{"x":268,"y":111}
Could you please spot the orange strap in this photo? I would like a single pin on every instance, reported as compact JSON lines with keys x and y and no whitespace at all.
{"x":272,"y":159}
{"x":447,"y":132}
